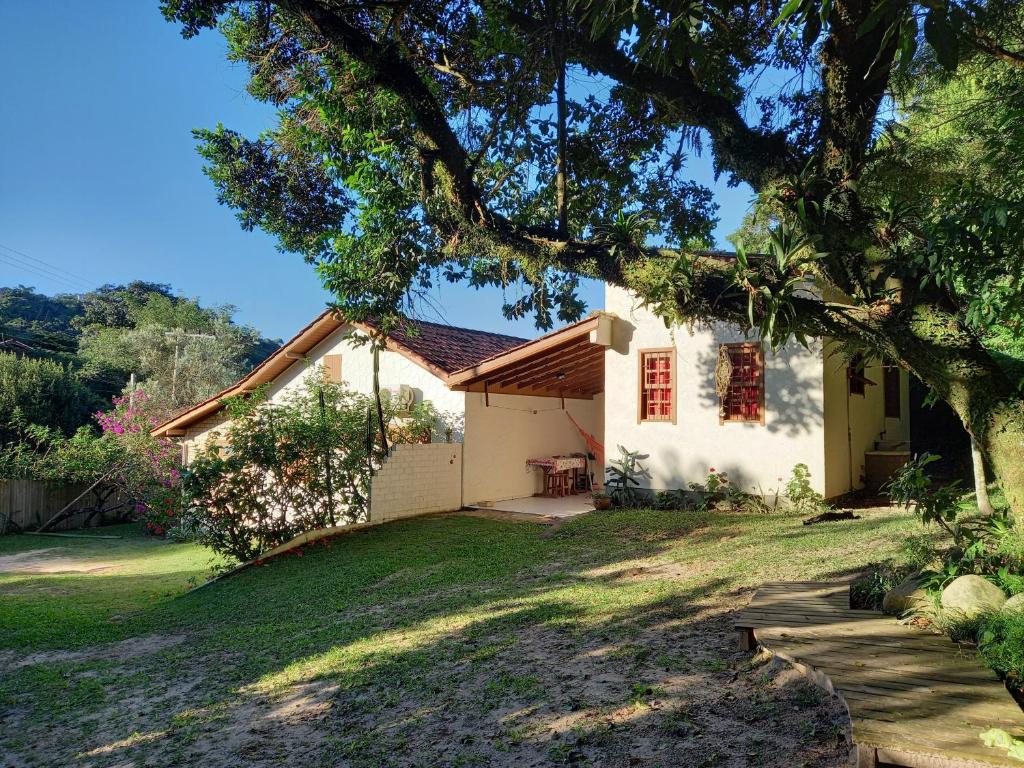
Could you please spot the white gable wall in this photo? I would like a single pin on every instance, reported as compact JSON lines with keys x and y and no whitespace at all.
{"x":357,"y":373}
{"x":754,"y":455}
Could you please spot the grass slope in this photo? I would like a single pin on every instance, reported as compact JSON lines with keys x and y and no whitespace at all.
{"x":446,"y":640}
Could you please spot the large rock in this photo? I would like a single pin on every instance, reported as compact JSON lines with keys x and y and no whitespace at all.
{"x":908,"y":595}
{"x":971,"y":596}
{"x":1015,"y":604}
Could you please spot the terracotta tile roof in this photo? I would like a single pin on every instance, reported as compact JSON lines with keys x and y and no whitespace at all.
{"x":452,"y":349}
{"x":441,"y":349}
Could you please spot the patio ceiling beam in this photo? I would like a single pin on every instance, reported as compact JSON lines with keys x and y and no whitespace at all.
{"x":531,"y":363}
{"x":580,"y":368}
{"x":525,"y":352}
{"x":592,"y":385}
{"x":492,"y":391}
{"x":546,"y":361}
{"x":589,"y":379}
{"x":550,"y":365}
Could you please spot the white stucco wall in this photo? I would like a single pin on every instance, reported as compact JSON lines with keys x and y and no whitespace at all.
{"x":357,"y":373}
{"x":867,"y":421}
{"x":500,"y":438}
{"x":754,"y":455}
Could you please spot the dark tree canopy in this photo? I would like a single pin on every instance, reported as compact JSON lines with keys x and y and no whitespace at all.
{"x":533,"y":143}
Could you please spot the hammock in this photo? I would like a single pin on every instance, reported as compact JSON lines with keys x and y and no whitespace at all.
{"x":592,"y":445}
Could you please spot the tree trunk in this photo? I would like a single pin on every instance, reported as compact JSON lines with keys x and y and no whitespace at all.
{"x":980,"y":483}
{"x":951,"y":360}
{"x":1003,"y":444}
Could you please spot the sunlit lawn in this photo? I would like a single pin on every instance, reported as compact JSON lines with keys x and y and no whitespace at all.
{"x":443,"y":640}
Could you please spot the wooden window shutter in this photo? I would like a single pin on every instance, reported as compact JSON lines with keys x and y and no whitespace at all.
{"x":657,"y":385}
{"x":739,"y":381}
{"x":891,"y":390}
{"x":332,"y":368}
{"x":855,"y":372}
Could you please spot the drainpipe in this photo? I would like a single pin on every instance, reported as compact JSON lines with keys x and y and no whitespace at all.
{"x":849,"y":439}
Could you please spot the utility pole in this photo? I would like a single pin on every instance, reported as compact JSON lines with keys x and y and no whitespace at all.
{"x":177,"y":336}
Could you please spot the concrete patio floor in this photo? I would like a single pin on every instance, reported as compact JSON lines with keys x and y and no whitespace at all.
{"x":564,"y":506}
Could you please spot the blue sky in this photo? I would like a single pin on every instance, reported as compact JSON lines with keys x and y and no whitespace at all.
{"x":101,"y":182}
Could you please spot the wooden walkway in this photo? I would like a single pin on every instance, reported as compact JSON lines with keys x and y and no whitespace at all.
{"x":914,"y":699}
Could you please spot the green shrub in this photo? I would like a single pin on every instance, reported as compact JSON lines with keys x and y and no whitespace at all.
{"x":295,"y":465}
{"x":959,"y":627}
{"x":868,"y":591}
{"x":1001,"y":646}
{"x":988,"y":546}
{"x":624,"y":476}
{"x":799,"y":492}
{"x":676,"y":499}
{"x":41,"y":392}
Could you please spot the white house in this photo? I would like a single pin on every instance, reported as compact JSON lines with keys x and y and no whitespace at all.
{"x":494,"y":434}
{"x":689,"y":398}
{"x":736,"y":406}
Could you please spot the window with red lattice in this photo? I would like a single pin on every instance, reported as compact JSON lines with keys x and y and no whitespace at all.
{"x":891,"y":388}
{"x":657,"y":385}
{"x":744,"y":398}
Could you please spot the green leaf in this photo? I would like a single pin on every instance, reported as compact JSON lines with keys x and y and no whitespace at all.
{"x":873,"y":18}
{"x":908,"y":42}
{"x":941,"y":36}
{"x":812,"y":30}
{"x":791,"y":7}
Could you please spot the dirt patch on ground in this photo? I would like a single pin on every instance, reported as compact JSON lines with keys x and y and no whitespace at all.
{"x":668,"y":688}
{"x":51,"y":560}
{"x":118,"y":652}
{"x":676,"y":692}
{"x":526,"y":683}
{"x":649,"y":569}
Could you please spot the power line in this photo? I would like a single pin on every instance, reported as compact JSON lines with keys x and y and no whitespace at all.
{"x":52,"y":267}
{"x":53,"y":274}
{"x":13,"y":261}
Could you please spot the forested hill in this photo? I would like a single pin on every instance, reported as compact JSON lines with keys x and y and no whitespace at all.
{"x":85,"y":347}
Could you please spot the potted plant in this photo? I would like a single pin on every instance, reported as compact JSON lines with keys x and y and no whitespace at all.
{"x":602,"y":500}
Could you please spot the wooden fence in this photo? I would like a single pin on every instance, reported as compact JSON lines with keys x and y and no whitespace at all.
{"x":28,"y":504}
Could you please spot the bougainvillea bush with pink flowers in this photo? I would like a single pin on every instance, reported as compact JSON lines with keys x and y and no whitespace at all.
{"x":149,"y":473}
{"x":133,"y":474}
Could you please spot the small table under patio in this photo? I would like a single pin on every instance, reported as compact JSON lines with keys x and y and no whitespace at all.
{"x":561,"y":473}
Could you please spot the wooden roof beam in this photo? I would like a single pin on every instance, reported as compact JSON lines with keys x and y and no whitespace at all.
{"x":549,"y":366}
{"x":583,"y":366}
{"x":530,"y":350}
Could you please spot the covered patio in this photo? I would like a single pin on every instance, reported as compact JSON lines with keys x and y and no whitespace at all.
{"x":537,"y":402}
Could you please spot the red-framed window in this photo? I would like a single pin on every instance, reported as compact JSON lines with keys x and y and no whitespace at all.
{"x":743,"y":398}
{"x":856,"y":373}
{"x":657,"y":385}
{"x":891,"y":390}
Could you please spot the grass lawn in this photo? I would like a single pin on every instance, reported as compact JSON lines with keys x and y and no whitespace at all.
{"x":449,"y":640}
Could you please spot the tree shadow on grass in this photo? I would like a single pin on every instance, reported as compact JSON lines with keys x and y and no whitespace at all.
{"x":646,"y":683}
{"x":456,"y":641}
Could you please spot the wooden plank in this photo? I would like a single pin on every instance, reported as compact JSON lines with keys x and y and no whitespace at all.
{"x":914,"y":699}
